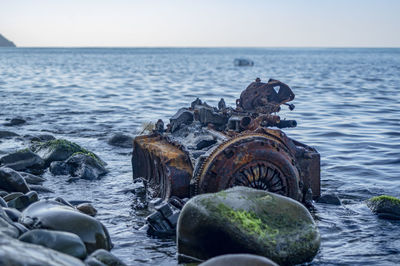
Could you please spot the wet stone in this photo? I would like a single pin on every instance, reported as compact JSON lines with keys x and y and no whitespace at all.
{"x":19,"y":203}
{"x":32,"y":179}
{"x":87,"y":208}
{"x":32,"y":196}
{"x":7,"y":134}
{"x":53,"y":215}
{"x":79,"y":166}
{"x":14,"y":252}
{"x":39,"y":188}
{"x":332,"y":199}
{"x":15,"y":122}
{"x":7,"y":228}
{"x":13,"y":195}
{"x":64,"y":242}
{"x":105,"y":258}
{"x":239,"y":260}
{"x":3,"y":193}
{"x":121,"y":140}
{"x":3,"y":203}
{"x":13,"y":213}
{"x":41,"y":138}
{"x":21,"y":228}
{"x":12,"y":181}
{"x":23,"y":160}
{"x":247,"y":220}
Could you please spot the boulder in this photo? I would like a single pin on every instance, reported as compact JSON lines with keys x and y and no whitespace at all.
{"x":239,"y":260}
{"x":12,"y":196}
{"x":14,"y":252}
{"x":79,"y":165}
{"x":41,"y":138}
{"x":245,"y":220}
{"x":32,"y":179}
{"x":64,"y":242}
{"x":12,"y":181}
{"x":14,"y":214}
{"x":53,"y":215}
{"x":23,"y":160}
{"x":58,"y":150}
{"x":39,"y":188}
{"x":103,"y":257}
{"x":87,"y":208}
{"x":386,"y":207}
{"x":19,"y":203}
{"x":121,"y":140}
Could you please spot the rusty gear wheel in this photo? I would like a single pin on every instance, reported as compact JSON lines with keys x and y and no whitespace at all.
{"x":254,"y":160}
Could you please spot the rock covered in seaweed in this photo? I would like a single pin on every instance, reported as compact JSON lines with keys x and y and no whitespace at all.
{"x":53,"y":215}
{"x":387,"y":207}
{"x":245,"y":220}
{"x":59,"y":150}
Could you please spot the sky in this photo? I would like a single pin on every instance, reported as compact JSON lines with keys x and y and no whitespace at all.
{"x":201,"y":23}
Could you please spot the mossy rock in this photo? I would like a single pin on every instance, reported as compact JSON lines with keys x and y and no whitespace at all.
{"x":384,"y":206}
{"x":245,"y":220}
{"x":60,"y":150}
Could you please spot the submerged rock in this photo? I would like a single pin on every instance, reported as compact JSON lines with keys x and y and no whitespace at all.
{"x":103,"y":257}
{"x":64,"y":242}
{"x":23,"y":160}
{"x":15,"y":122}
{"x":121,"y":140}
{"x":12,"y":181}
{"x":7,"y":134}
{"x":386,"y":207}
{"x":332,"y":199}
{"x":53,"y":215}
{"x":59,"y":150}
{"x":245,"y":220}
{"x":239,"y":260}
{"x":80,"y":166}
{"x":14,"y":252}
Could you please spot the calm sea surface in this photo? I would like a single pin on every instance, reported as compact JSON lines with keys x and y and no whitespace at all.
{"x":347,"y":106}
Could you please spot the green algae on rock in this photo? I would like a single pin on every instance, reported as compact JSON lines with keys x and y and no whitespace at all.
{"x":387,"y":207}
{"x":245,"y":220}
{"x":60,"y":150}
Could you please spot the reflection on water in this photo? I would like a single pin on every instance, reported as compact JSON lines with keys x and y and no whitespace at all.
{"x":347,"y":106}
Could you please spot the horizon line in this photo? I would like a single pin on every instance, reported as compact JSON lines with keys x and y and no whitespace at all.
{"x":214,"y":47}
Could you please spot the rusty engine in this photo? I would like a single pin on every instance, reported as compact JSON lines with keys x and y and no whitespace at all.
{"x":207,"y":149}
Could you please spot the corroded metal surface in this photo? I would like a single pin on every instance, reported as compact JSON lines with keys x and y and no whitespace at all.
{"x":207,"y":149}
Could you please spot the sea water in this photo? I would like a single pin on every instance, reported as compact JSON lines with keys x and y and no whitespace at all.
{"x":347,"y":107}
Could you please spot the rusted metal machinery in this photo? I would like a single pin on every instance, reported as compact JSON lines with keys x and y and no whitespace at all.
{"x":206,"y":149}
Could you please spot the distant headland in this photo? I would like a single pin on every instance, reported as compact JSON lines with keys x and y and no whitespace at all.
{"x":6,"y":43}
